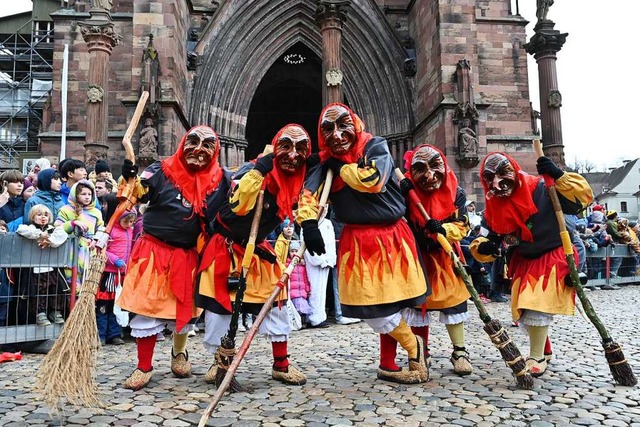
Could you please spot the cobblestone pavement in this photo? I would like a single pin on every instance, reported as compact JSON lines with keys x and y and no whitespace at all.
{"x":342,"y":389}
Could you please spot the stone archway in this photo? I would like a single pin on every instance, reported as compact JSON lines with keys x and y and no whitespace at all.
{"x":245,"y":38}
{"x":290,"y":92}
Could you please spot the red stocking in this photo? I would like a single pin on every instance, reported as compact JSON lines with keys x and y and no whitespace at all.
{"x":280,"y":355}
{"x":547,"y":346}
{"x":388,"y":348}
{"x":422,"y":331}
{"x":146,"y":346}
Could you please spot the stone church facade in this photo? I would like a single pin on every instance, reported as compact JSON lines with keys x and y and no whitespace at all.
{"x":450,"y":73}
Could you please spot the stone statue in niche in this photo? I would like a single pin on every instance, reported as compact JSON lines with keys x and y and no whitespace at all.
{"x":467,"y":140}
{"x":148,"y":140}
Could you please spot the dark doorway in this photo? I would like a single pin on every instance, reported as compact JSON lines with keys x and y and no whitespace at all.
{"x":290,"y":92}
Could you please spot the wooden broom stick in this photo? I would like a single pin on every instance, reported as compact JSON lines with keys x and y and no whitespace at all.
{"x":498,"y":334}
{"x":266,"y":307}
{"x":620,"y":369}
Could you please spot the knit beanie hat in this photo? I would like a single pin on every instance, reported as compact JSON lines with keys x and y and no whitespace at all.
{"x":102,"y":166}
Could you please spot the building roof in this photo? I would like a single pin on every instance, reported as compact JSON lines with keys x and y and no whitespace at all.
{"x":605,"y":183}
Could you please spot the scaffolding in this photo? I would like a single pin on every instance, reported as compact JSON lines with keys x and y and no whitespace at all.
{"x":26,"y":80}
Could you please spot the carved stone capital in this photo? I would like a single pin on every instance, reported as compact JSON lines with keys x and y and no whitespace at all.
{"x":94,"y":152}
{"x":545,"y":40}
{"x":332,"y":10}
{"x":98,"y":31}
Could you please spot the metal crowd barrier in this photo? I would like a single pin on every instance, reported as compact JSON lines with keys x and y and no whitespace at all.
{"x":599,"y":266}
{"x":20,"y":293}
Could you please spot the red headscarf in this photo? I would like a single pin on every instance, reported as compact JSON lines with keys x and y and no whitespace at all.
{"x":194,"y":186}
{"x":356,"y":150}
{"x":286,"y":187}
{"x":507,"y":215}
{"x":439,"y":204}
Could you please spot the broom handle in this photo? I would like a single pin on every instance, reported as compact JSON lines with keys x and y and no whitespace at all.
{"x":246,"y":263}
{"x":126,"y":198}
{"x":459,"y":267}
{"x":568,"y":251}
{"x":266,"y":307}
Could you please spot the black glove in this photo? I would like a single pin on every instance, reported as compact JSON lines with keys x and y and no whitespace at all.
{"x":313,"y":160}
{"x":129,"y":170}
{"x":546,"y":166}
{"x":435,"y":226}
{"x":334,"y":164}
{"x":312,"y":237}
{"x":488,"y":248}
{"x":264,"y":164}
{"x":405,"y":186}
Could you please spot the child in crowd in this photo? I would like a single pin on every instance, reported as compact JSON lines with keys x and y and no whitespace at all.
{"x":48,"y":194}
{"x":11,"y":202}
{"x":42,"y":282}
{"x":299,"y":286}
{"x":82,"y":217}
{"x":5,"y":287}
{"x":118,"y":251}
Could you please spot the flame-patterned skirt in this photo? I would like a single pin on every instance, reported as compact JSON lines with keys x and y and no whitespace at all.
{"x":538,"y":284}
{"x":379,"y":271}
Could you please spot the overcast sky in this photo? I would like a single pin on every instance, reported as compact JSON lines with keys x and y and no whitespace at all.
{"x":596,"y":76}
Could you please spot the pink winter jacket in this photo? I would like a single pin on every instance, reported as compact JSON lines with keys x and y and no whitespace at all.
{"x":119,"y":247}
{"x":299,"y":286}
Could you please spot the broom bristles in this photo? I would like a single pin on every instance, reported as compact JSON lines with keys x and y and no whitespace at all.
{"x":68,"y":371}
{"x":510,"y":353}
{"x":224,"y":357}
{"x":620,"y":368}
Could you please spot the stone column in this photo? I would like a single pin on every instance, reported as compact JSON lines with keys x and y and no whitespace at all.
{"x":544,"y":45}
{"x":100,"y":37}
{"x":330,"y":16}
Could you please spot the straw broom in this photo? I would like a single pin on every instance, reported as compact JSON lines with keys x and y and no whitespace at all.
{"x":620,"y":369}
{"x":266,"y":307}
{"x":498,"y":334}
{"x":68,"y":371}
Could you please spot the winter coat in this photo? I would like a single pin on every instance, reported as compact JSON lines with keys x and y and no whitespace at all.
{"x":299,"y":286}
{"x":89,"y":215}
{"x":12,"y":210}
{"x":119,"y":246}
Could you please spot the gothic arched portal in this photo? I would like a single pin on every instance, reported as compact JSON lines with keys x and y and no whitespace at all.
{"x":290,"y":92}
{"x":246,"y":38}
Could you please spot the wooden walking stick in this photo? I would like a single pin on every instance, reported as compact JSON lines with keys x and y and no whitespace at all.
{"x":498,"y":334}
{"x":68,"y":371}
{"x":226,"y":353}
{"x":266,"y":307}
{"x":620,"y":369}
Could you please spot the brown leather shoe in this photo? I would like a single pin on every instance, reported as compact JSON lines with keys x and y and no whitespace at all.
{"x":180,"y":365}
{"x":291,"y":376}
{"x":138,"y":379}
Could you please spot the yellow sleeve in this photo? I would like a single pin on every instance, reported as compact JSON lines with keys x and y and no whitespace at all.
{"x":575,"y":189}
{"x":366,"y":180}
{"x":473,"y":248}
{"x":456,"y":230}
{"x":138,"y":191}
{"x":308,"y":205}
{"x":245,"y":194}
